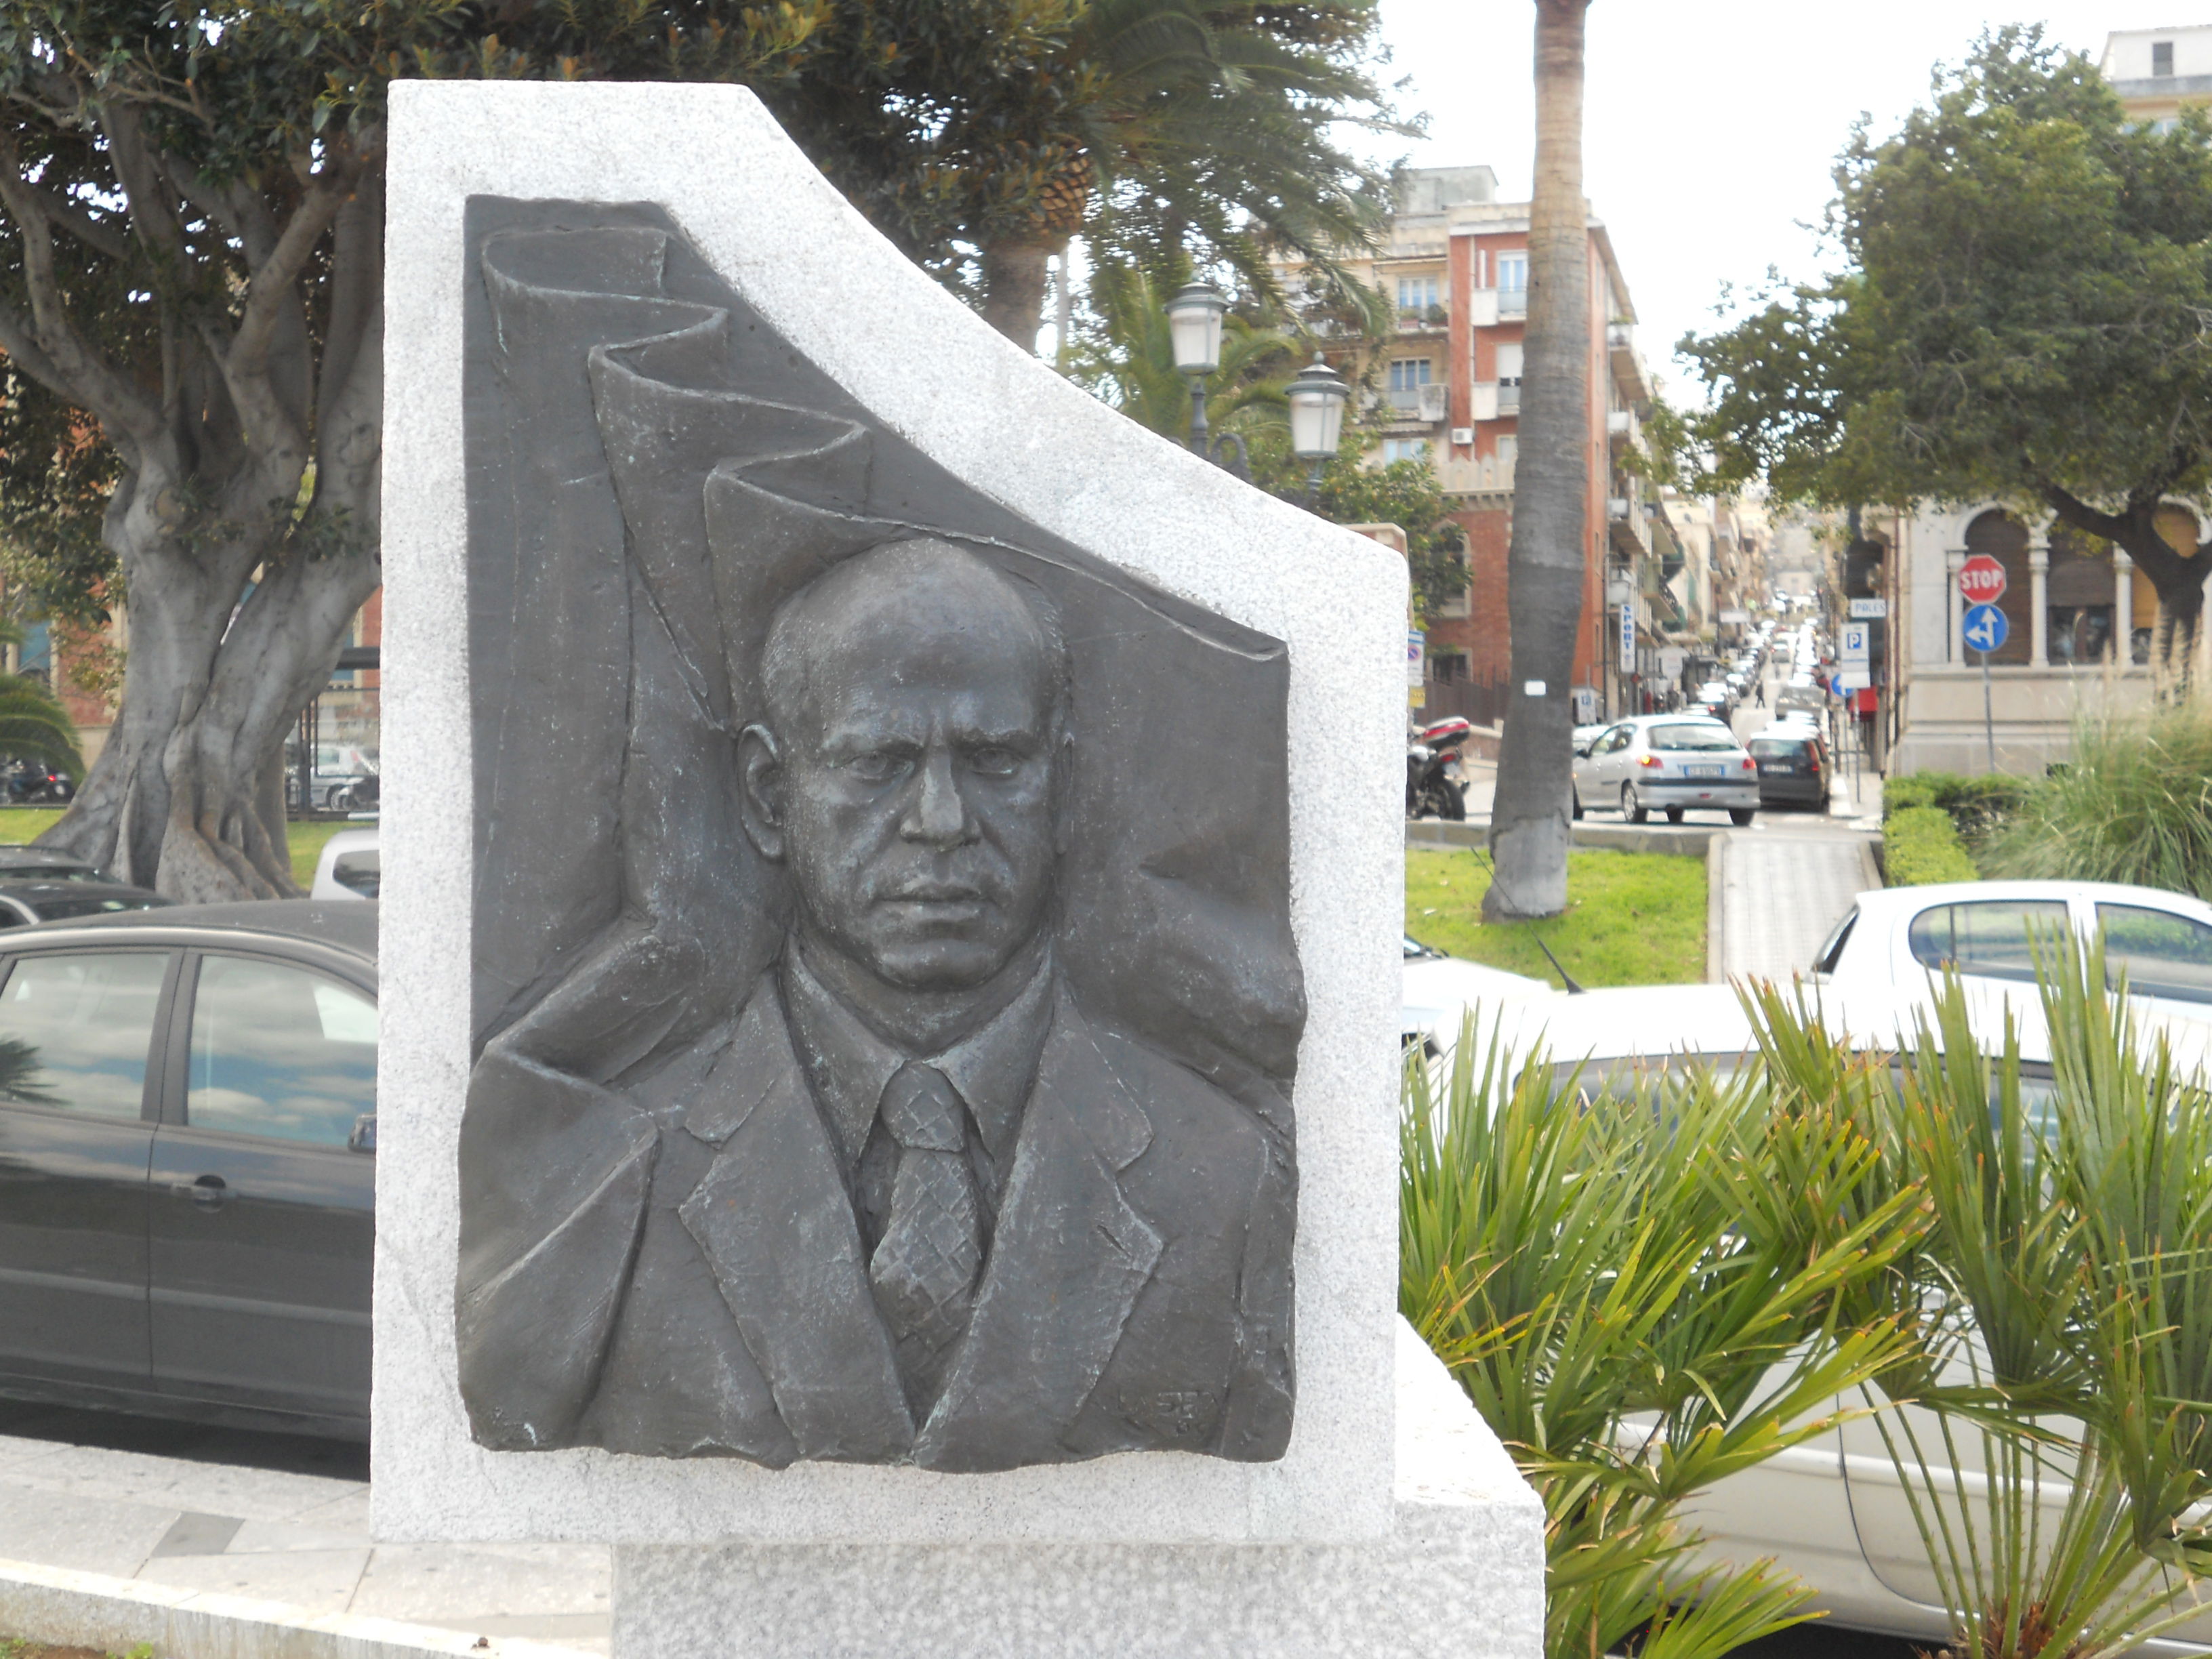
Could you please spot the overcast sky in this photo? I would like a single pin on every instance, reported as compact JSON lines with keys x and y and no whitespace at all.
{"x":1710,"y":125}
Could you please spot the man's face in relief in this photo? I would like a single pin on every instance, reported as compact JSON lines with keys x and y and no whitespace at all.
{"x":912,"y":699}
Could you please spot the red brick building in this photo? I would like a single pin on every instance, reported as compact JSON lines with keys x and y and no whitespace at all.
{"x":1457,"y":264}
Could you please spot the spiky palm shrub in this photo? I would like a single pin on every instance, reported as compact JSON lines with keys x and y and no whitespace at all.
{"x":1638,"y":1314}
{"x":33,"y":725}
{"x":2052,"y":1445}
{"x":2134,"y":805}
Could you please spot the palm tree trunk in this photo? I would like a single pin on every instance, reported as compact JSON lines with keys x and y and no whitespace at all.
{"x":1015,"y":277}
{"x":1529,"y":819}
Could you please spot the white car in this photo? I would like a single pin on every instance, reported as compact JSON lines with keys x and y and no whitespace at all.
{"x":1900,"y":936}
{"x":1667,"y":764}
{"x":1438,"y":989}
{"x":1830,"y":1510}
{"x":349,"y":867}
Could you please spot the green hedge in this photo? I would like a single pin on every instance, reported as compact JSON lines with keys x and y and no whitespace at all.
{"x":1977,"y":804}
{"x":1920,"y":845}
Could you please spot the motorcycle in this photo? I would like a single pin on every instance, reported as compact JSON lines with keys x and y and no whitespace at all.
{"x":34,"y":784}
{"x":1433,"y":788}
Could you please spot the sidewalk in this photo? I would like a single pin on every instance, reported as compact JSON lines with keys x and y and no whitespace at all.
{"x":1777,"y":897}
{"x":278,"y":1535}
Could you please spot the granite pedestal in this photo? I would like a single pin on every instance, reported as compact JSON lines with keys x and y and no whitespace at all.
{"x":1392,"y":1523}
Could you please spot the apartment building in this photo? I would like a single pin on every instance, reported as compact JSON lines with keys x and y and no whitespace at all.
{"x":2159,"y":72}
{"x":1455,"y":263}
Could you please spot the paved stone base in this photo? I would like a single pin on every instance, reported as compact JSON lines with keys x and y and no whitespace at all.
{"x":122,"y":1534}
{"x":67,"y":1608}
{"x":1462,"y":1575}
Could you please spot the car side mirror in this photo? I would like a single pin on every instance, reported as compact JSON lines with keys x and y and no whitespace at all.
{"x":363,"y":1137}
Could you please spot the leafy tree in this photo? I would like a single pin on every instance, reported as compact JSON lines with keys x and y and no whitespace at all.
{"x":2020,"y":315}
{"x":1528,"y":825}
{"x":1406,"y":493}
{"x":982,"y":134}
{"x":190,"y":268}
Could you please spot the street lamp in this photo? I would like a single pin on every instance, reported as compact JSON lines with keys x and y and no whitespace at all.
{"x":1194,"y":326}
{"x":1317,"y":398}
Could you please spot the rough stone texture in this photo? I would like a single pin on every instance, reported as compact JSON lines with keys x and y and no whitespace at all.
{"x":68,"y":1608}
{"x":1461,"y":1573}
{"x":1008,"y":427}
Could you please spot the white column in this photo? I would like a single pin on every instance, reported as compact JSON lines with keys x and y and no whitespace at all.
{"x":2038,"y":616}
{"x":2123,"y":609}
{"x":1953,"y":562}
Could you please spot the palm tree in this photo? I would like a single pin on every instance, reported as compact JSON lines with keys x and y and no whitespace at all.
{"x":1191,"y":121}
{"x":1528,"y":824}
{"x":1130,"y":363}
{"x":33,"y":725}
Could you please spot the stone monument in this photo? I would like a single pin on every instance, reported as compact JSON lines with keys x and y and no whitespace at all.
{"x":890,"y":1095}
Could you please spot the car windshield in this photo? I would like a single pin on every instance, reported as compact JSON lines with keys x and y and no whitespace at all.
{"x":1696,"y":736}
{"x":52,"y":872}
{"x":1778,"y":748}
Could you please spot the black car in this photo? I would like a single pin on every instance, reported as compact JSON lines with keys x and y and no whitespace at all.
{"x":187,"y":1177}
{"x":1794,"y":768}
{"x":25,"y":903}
{"x":21,"y":863}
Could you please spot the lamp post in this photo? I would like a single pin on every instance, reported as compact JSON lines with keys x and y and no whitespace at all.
{"x":1317,"y":398}
{"x":1194,"y":326}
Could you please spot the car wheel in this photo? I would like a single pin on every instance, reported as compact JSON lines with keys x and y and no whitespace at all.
{"x":1630,"y":808}
{"x":1741,"y":816}
{"x":1675,"y":814}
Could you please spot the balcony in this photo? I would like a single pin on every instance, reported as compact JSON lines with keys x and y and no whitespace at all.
{"x":1627,"y":361}
{"x":1435,"y":319}
{"x":1421,"y":403}
{"x":1626,"y":528}
{"x":1623,"y":430}
{"x":1512,"y":302}
{"x":1496,"y":399}
{"x":1487,"y":476}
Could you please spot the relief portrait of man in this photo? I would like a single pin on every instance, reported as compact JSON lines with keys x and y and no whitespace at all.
{"x":850,"y":1131}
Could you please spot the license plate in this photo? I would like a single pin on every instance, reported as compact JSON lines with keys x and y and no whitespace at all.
{"x":1704,"y":771}
{"x":1776,"y":769}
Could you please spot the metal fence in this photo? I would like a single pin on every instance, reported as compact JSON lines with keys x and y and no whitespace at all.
{"x":1473,"y":700}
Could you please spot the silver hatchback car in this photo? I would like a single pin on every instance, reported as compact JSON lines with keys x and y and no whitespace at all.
{"x":1667,"y":764}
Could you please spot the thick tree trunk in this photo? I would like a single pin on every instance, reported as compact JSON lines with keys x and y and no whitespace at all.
{"x":181,"y":798}
{"x":1529,"y":828}
{"x":2178,"y":580}
{"x":1016,"y":274}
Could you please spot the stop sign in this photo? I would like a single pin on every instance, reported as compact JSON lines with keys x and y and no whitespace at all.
{"x":1982,"y":580}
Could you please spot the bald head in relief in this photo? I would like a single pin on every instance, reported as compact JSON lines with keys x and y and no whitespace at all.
{"x":924,"y":1208}
{"x":911,"y":773}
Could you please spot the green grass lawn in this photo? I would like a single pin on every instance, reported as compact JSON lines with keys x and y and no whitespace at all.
{"x":21,"y":823}
{"x":1632,"y":918}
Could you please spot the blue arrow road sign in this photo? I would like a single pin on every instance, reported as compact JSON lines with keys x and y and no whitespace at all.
{"x":1985,"y":628}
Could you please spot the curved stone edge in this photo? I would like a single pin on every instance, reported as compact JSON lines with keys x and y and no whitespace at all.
{"x":68,"y":1608}
{"x":1461,"y":1573}
{"x":1009,"y":426}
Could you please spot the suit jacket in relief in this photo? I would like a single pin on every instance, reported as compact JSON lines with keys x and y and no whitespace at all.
{"x":1136,"y":1295}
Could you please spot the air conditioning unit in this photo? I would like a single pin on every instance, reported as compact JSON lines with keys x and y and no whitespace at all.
{"x":1463,"y":436}
{"x":1435,"y":401}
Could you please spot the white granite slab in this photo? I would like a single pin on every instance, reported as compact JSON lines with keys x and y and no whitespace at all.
{"x":1011,"y":428}
{"x":1461,"y":1573}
